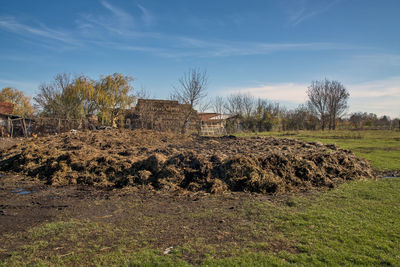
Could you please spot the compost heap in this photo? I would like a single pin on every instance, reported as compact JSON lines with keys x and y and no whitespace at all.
{"x":168,"y":161}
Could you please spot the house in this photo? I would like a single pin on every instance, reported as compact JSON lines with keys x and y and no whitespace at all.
{"x":162,"y":115}
{"x":215,"y":123}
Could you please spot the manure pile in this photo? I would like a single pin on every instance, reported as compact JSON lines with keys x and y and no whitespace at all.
{"x":167,"y":161}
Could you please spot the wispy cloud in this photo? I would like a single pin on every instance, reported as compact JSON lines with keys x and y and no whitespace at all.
{"x":128,"y":32}
{"x":120,"y":14}
{"x":147,"y":17}
{"x":118,"y":21}
{"x":45,"y":33}
{"x":380,"y":59}
{"x":301,"y":10}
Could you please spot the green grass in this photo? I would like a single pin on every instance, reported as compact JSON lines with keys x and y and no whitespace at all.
{"x":355,"y":224}
{"x":380,"y":147}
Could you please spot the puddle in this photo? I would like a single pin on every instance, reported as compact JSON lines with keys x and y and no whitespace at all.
{"x":21,"y":191}
{"x":390,"y":177}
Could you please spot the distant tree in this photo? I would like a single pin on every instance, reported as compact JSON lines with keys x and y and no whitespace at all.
{"x":218,"y":104}
{"x":328,"y":100}
{"x":142,"y":93}
{"x":356,"y":119}
{"x":240,"y":104}
{"x":191,"y":91}
{"x":66,"y":97}
{"x":267,"y":115}
{"x":113,"y":95}
{"x":300,"y":118}
{"x":22,"y":103}
{"x":233,"y":104}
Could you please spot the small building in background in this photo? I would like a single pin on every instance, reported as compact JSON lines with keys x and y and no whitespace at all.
{"x":12,"y":125}
{"x":162,"y":115}
{"x":6,"y":110}
{"x":217,"y":124}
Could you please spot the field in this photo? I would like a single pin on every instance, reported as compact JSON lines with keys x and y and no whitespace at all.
{"x":356,"y":223}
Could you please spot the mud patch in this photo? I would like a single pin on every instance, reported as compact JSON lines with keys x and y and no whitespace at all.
{"x":165,"y":161}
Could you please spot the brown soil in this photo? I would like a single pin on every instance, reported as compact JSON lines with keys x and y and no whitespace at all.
{"x":157,"y":219}
{"x":119,"y":158}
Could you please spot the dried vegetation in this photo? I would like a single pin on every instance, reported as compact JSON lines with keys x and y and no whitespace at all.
{"x":168,"y":161}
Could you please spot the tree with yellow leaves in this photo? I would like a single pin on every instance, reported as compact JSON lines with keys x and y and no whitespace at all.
{"x":113,"y":96}
{"x":78,"y":97}
{"x":22,"y":103}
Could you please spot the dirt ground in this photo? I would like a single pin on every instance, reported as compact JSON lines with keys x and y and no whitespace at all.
{"x":166,"y":161}
{"x":159,"y":219}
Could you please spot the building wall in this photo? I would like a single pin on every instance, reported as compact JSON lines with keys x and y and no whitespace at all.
{"x":162,"y":115}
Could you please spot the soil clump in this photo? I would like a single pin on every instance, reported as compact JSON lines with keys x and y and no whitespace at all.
{"x":166,"y":161}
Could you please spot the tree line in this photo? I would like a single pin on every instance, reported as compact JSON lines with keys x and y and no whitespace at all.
{"x":77,"y":97}
{"x":257,"y":115}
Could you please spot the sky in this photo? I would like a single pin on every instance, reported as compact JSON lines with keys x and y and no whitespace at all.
{"x":271,"y":49}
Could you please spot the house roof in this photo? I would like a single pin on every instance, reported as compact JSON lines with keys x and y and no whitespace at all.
{"x":215,"y":116}
{"x":6,"y":108}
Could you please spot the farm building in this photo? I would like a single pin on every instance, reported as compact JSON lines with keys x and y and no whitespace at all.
{"x":6,"y":108}
{"x":12,"y":125}
{"x":162,"y":115}
{"x":215,"y":123}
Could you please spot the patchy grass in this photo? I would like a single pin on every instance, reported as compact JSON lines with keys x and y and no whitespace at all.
{"x":380,"y":147}
{"x":354,"y":224}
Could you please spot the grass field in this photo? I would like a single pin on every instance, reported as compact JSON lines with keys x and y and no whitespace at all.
{"x":380,"y":147}
{"x":356,"y":223}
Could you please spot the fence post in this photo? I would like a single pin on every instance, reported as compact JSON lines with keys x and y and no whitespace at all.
{"x":24,"y":127}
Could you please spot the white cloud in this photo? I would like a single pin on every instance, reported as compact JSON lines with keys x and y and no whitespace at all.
{"x":382,"y":59}
{"x":123,"y":17}
{"x":43,"y":32}
{"x":299,"y":11}
{"x":287,"y":92}
{"x":379,"y":88}
{"x":147,"y":17}
{"x":380,"y":96}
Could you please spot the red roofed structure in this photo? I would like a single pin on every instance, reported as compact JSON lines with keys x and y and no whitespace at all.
{"x":6,"y":108}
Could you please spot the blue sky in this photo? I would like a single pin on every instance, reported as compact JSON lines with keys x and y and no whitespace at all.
{"x":270,"y":48}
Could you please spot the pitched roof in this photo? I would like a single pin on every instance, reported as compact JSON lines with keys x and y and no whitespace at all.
{"x":6,"y":108}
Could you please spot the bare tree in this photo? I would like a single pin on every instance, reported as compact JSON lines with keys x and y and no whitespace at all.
{"x":143,"y":93}
{"x":328,"y":100}
{"x":191,"y":91}
{"x":218,"y":105}
{"x":338,"y":96}
{"x":248,"y":103}
{"x":192,"y":88}
{"x":204,"y":105}
{"x":233,"y":104}
{"x":50,"y":101}
{"x":241,"y":104}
